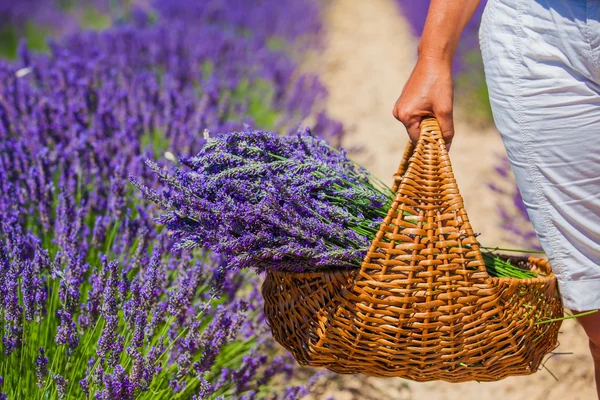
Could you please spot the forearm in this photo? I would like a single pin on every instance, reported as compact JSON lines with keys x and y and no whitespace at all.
{"x":445,"y":22}
{"x":429,"y":89}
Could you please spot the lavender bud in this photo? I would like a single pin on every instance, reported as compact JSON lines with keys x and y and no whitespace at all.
{"x":41,"y":367}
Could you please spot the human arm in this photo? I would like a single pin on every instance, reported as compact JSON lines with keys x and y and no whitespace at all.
{"x":429,"y":89}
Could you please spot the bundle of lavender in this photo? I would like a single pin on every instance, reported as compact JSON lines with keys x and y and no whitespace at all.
{"x":273,"y":202}
{"x":265,"y":201}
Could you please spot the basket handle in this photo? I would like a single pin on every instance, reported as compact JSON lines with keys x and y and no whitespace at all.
{"x":427,"y":124}
{"x":427,"y":205}
{"x":410,"y":147}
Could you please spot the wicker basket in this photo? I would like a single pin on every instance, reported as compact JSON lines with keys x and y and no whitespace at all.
{"x":422,"y":305}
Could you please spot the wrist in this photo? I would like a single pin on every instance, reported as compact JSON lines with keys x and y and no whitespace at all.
{"x":435,"y":61}
{"x":441,"y":54}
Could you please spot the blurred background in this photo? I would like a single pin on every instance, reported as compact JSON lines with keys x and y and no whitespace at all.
{"x":339,"y":66}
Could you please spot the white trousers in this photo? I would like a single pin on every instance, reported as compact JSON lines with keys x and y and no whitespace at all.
{"x":542,"y":67}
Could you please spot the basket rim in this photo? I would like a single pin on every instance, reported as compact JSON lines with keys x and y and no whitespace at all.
{"x":313,"y":274}
{"x":494,"y":279}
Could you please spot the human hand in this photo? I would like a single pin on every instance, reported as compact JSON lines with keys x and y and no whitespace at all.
{"x":428,"y":92}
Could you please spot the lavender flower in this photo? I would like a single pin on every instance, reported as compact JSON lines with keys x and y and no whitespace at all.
{"x":85,"y":387}
{"x":67,"y":331}
{"x":41,"y":367}
{"x":84,"y":273}
{"x":61,"y":385}
{"x":266,"y":201}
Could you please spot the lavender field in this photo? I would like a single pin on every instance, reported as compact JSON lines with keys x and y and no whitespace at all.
{"x":96,"y":301}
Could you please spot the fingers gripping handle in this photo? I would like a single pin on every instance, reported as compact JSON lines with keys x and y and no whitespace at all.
{"x":430,"y":128}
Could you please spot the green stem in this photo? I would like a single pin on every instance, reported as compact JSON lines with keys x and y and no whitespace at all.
{"x":511,"y":250}
{"x":547,"y":321}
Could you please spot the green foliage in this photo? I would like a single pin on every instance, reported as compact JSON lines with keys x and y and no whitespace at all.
{"x":258,"y":96}
{"x":8,"y":41}
{"x":156,"y":141}
{"x":92,"y":18}
{"x":276,"y":44}
{"x":36,"y":36}
{"x":472,"y":92}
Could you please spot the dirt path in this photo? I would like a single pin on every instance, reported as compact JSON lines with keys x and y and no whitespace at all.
{"x":368,"y":57}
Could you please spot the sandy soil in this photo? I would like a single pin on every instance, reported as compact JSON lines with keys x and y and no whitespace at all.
{"x":368,"y":57}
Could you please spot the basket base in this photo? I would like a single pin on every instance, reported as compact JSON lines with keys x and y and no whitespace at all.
{"x":323,"y":323}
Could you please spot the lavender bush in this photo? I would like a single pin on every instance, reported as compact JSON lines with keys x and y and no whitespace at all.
{"x":94,"y":302}
{"x":271,"y":202}
{"x":267,"y":20}
{"x":36,"y":20}
{"x":100,"y":309}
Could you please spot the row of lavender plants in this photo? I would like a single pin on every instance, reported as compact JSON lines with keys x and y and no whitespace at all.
{"x":94,"y":302}
{"x":37,"y":19}
{"x":473,"y":95}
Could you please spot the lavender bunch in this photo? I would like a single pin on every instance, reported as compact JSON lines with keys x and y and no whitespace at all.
{"x":272,"y":202}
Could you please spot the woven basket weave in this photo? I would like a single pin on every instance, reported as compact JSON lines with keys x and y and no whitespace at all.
{"x":422,"y":305}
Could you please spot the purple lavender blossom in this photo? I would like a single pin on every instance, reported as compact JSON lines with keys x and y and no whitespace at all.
{"x":83,"y":270}
{"x":304,"y":205}
{"x":85,"y":387}
{"x":67,"y":331}
{"x":117,"y":385}
{"x":272,"y":16}
{"x":41,"y":367}
{"x":61,"y":385}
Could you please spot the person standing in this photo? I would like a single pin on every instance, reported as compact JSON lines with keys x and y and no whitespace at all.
{"x":542,"y":67}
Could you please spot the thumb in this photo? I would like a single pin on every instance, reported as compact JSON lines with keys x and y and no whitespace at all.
{"x":413,"y":127}
{"x":446,"y":122}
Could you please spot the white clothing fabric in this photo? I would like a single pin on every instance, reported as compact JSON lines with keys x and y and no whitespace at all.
{"x":542,"y":67}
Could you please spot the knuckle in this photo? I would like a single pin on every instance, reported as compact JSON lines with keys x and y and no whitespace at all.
{"x":445,"y":112}
{"x":443,"y":109}
{"x":448,"y":135}
{"x":403,"y":115}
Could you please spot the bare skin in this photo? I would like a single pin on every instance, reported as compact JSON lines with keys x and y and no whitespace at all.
{"x":429,"y":92}
{"x":591,"y":325}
